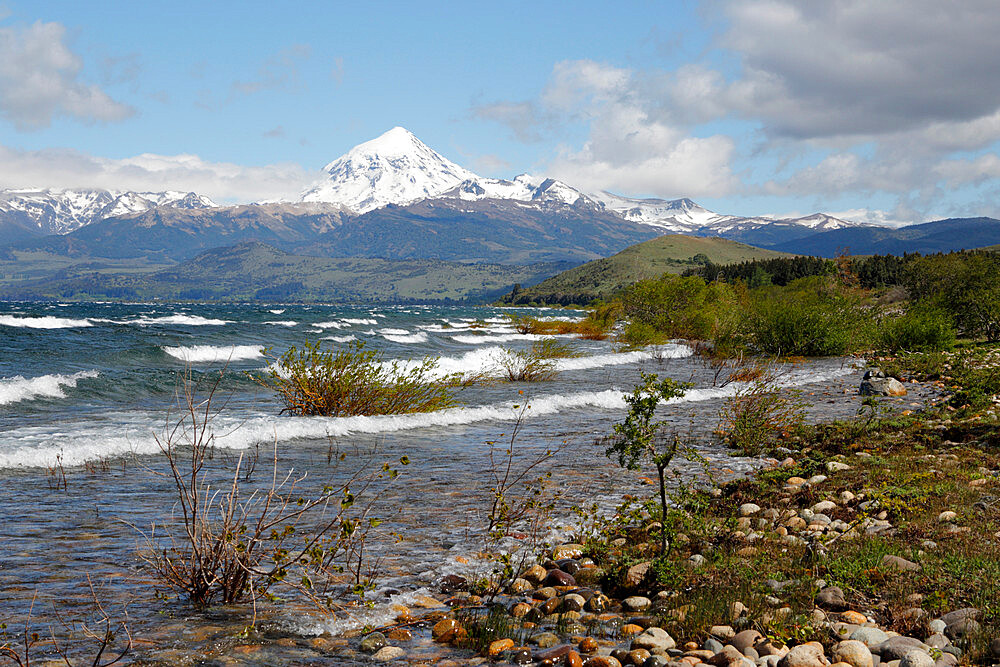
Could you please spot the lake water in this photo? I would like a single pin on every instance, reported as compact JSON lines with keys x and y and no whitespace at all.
{"x":86,"y":388}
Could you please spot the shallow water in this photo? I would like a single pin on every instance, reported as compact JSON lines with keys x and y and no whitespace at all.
{"x":86,"y":388}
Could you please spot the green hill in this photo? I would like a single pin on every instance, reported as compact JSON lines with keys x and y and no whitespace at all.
{"x":601,"y":278}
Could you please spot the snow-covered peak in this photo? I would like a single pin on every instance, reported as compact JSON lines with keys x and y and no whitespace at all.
{"x":523,"y":188}
{"x":54,"y":211}
{"x":394,"y":168}
{"x":822,"y":221}
{"x":677,"y":215}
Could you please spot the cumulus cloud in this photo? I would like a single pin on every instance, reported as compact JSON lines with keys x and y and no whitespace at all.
{"x":40,"y":79}
{"x":855,"y":67}
{"x":632,"y":145}
{"x":222,"y":181}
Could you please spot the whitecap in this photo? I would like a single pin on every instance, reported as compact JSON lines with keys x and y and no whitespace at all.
{"x":186,"y":320}
{"x":408,"y":339}
{"x":340,"y":339}
{"x":77,"y":445}
{"x":44,"y":322}
{"x":350,"y":320}
{"x":277,"y":311}
{"x":199,"y":354}
{"x":20,"y":388}
{"x":282,"y":323}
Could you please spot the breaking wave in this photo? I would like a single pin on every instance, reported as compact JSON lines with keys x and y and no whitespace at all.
{"x":199,"y":354}
{"x":44,"y":322}
{"x":19,"y":388}
{"x":126,"y":436}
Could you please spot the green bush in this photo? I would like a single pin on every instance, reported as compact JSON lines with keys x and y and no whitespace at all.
{"x":681,"y":307}
{"x":811,"y":317}
{"x":354,"y":381}
{"x":967,"y":285}
{"x":919,"y":329}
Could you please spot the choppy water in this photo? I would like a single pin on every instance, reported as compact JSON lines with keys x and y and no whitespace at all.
{"x":89,"y":386}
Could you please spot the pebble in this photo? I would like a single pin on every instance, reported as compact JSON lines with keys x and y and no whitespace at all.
{"x":853,"y":652}
{"x":747,"y":509}
{"x":374,"y":642}
{"x":744,"y":640}
{"x":916,"y":658}
{"x":804,"y":655}
{"x":947,"y":517}
{"x":870,"y":637}
{"x":567,"y":551}
{"x":637,"y":603}
{"x":387,"y":653}
{"x":655,"y":640}
{"x":899,"y":564}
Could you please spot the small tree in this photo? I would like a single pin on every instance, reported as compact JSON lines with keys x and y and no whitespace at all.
{"x":638,"y":437}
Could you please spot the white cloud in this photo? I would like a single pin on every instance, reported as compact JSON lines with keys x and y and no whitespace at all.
{"x":222,"y":181}
{"x":39,"y":80}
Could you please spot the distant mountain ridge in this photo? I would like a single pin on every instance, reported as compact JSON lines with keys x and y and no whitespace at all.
{"x":394,"y":197}
{"x":50,"y":211}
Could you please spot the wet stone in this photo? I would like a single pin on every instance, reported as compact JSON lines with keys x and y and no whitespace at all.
{"x":388,"y":653}
{"x":559,"y":578}
{"x":373,"y":642}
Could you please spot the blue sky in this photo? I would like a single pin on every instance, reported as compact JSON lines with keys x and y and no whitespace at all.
{"x":885,"y":111}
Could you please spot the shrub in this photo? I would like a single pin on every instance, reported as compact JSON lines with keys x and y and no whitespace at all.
{"x":638,"y":437}
{"x":550,"y":348}
{"x":681,"y":307}
{"x":919,"y":329}
{"x":967,"y":285}
{"x":233,"y":543}
{"x":529,"y":365}
{"x":811,"y":317}
{"x":757,"y":411}
{"x":354,"y":381}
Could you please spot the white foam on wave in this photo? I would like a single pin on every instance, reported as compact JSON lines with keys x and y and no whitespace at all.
{"x":340,"y":339}
{"x":394,"y":332}
{"x":355,"y":320}
{"x":331,"y":325}
{"x":199,"y":354}
{"x":277,"y":311}
{"x":129,"y":433}
{"x":44,"y":322}
{"x":671,"y":351}
{"x":185,"y":320}
{"x":18,"y":388}
{"x":282,"y":323}
{"x":488,"y":338}
{"x":407,"y":339}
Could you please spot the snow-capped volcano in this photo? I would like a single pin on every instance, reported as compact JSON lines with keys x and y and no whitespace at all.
{"x":394,"y":168}
{"x":53,"y":211}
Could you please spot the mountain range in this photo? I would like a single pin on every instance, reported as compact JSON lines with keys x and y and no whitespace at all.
{"x":394,"y":198}
{"x":390,"y":197}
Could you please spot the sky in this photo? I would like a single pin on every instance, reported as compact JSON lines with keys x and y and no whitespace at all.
{"x":885,"y":112}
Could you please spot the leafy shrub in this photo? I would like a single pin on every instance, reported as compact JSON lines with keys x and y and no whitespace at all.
{"x":640,"y":334}
{"x":354,"y":381}
{"x":811,"y":317}
{"x":757,"y":411}
{"x":586,"y":328}
{"x":967,"y":285}
{"x":638,"y":437}
{"x":550,"y":348}
{"x":531,"y":365}
{"x":921,"y":329}
{"x":681,"y":307}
